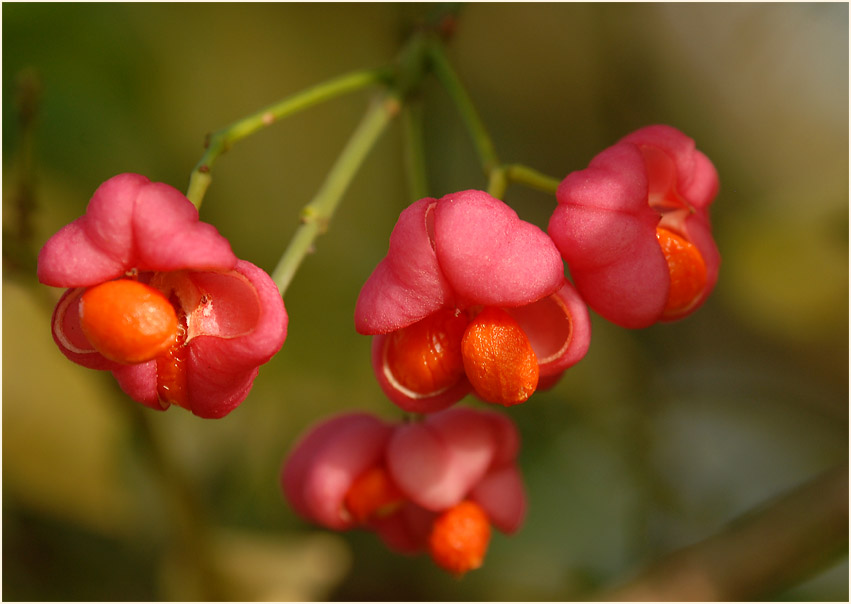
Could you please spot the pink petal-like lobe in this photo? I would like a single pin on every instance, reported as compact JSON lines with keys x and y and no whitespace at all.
{"x":436,"y":462}
{"x":605,"y":223}
{"x":558,"y":327}
{"x":407,"y":285}
{"x":325,"y":462}
{"x":132,"y":223}
{"x":503,"y":497}
{"x":132,"y":227}
{"x":489,"y":255}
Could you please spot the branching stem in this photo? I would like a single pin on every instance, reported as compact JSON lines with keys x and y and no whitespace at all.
{"x":317,"y":214}
{"x":444,"y":72}
{"x":530,"y":177}
{"x":499,"y":175}
{"x":222,"y":140}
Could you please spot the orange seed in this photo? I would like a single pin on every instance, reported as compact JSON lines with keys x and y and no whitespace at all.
{"x":127,"y":321}
{"x":459,"y":538}
{"x":426,"y":357}
{"x":498,"y":358}
{"x":372,"y":494}
{"x":688,"y":272}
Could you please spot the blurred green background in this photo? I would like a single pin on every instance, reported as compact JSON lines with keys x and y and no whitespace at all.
{"x":656,"y":440}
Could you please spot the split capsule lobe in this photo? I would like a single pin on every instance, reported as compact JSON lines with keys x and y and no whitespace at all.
{"x":492,"y":350}
{"x":426,"y":357}
{"x":459,"y":536}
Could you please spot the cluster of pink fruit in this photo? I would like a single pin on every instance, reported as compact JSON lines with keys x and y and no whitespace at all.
{"x":470,"y":299}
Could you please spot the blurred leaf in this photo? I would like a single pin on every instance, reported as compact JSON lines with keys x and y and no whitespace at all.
{"x":262,"y":568}
{"x":61,"y":436}
{"x":789,"y":270}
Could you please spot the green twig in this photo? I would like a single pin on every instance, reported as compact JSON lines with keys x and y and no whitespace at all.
{"x":530,"y":177}
{"x":449,"y":79}
{"x":415,"y":162}
{"x":497,"y":182}
{"x":316,"y":215}
{"x":222,"y":140}
{"x":191,"y":539}
{"x":499,"y":175}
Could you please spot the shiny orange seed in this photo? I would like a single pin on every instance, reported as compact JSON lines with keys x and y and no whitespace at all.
{"x":459,"y":538}
{"x":498,"y":358}
{"x":688,"y":272}
{"x":127,"y":321}
{"x":425,"y":357}
{"x":372,"y":495}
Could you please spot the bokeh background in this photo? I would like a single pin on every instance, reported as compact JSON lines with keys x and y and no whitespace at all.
{"x":655,"y":441}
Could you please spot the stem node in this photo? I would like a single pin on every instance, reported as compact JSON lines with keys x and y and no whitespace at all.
{"x":316,"y":215}
{"x":217,"y":143}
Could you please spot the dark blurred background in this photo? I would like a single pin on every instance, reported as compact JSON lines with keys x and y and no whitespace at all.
{"x":655,"y":441}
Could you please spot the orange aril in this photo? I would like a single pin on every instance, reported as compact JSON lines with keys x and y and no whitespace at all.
{"x":459,"y":538}
{"x":687,"y":269}
{"x":171,"y":369}
{"x":425,"y":357}
{"x":127,"y":321}
{"x":498,"y":358}
{"x":372,"y":494}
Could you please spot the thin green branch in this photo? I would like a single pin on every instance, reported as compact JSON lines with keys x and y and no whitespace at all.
{"x":530,"y":177}
{"x":317,"y":214}
{"x":499,"y":175}
{"x":222,"y":140}
{"x":444,"y":72}
{"x":190,"y":522}
{"x":415,"y":161}
{"x":497,"y":182}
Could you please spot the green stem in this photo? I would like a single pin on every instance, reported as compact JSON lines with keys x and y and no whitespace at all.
{"x":190,"y":528}
{"x":317,"y":214}
{"x":499,"y":175}
{"x":497,"y":182}
{"x":415,"y":162}
{"x":222,"y":140}
{"x":531,"y":178}
{"x":449,"y":79}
